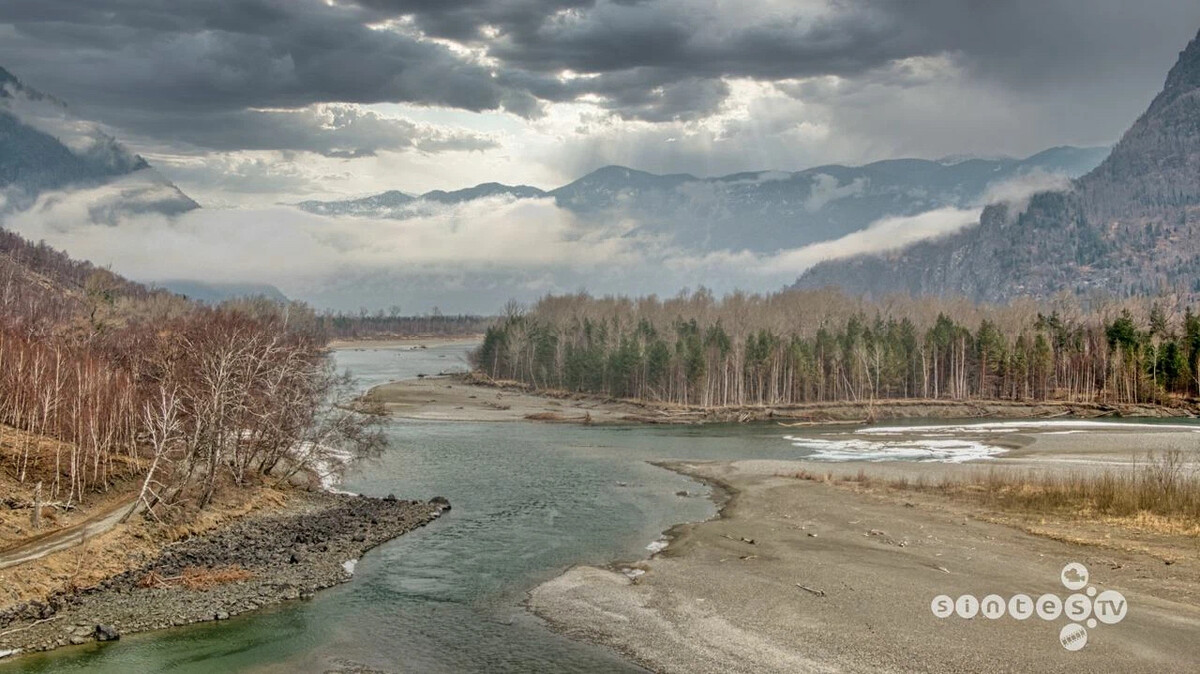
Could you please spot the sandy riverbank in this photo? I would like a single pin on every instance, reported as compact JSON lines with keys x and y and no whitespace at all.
{"x":263,"y":558}
{"x":809,"y":576}
{"x":467,"y":398}
{"x":454,"y":398}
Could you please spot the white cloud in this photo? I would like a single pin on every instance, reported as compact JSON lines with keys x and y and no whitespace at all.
{"x":882,"y":236}
{"x":467,"y":257}
{"x":825,"y":189}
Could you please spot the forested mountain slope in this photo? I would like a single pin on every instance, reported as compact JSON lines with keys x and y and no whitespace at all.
{"x":1128,"y":227}
{"x":42,"y":148}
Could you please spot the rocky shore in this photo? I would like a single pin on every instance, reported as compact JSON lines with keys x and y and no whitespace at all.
{"x":254,"y":562}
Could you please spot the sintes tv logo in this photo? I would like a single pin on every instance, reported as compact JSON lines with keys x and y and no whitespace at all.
{"x":1084,"y":607}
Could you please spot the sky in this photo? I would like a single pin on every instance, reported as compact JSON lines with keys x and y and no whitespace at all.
{"x":258,"y":101}
{"x":249,"y":104}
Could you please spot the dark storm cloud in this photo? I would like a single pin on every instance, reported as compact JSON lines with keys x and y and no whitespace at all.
{"x":654,"y":60}
{"x":331,"y":130}
{"x":222,"y":54}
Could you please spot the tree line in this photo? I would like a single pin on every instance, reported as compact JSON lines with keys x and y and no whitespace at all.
{"x":821,"y":346}
{"x":382,"y":325}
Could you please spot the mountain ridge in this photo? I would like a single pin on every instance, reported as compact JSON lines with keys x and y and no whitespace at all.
{"x":1127,"y":227}
{"x":37,"y":156}
{"x":762,"y":211}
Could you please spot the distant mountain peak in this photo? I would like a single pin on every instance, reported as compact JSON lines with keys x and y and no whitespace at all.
{"x":1185,"y":74}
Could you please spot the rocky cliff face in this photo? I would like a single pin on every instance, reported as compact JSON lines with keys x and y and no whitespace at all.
{"x":1127,"y":227}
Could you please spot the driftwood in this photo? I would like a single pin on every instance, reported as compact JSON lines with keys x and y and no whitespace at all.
{"x":819,"y":593}
{"x":30,"y":625}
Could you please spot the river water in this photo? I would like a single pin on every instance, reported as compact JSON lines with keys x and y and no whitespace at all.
{"x":529,"y":500}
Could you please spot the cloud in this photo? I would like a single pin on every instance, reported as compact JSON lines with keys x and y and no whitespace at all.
{"x":826,"y":188}
{"x":894,"y":233}
{"x":975,"y":76}
{"x":881,"y":236}
{"x":465,"y":257}
{"x":1017,"y":191}
{"x":333,"y":130}
{"x":498,"y":244}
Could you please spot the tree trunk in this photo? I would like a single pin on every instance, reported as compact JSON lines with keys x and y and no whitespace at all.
{"x":35,"y":519}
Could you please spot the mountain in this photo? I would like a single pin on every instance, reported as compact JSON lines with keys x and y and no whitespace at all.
{"x":44,"y":148}
{"x":762,"y":211}
{"x":1127,"y":227}
{"x":400,"y":206}
{"x":386,"y":205}
{"x":483,"y":191}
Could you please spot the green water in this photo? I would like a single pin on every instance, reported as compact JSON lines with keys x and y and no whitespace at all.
{"x":529,"y":500}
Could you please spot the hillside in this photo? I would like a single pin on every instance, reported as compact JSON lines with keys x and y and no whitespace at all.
{"x":43,"y":148}
{"x":1126,"y":228}
{"x":761,"y":211}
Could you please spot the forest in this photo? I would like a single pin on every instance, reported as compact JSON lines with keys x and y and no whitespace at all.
{"x":798,"y":347}
{"x":113,"y":385}
{"x":389,"y":324}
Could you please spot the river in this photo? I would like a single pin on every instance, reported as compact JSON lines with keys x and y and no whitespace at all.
{"x":529,"y":500}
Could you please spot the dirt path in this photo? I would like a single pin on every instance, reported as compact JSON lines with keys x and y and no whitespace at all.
{"x":67,"y":538}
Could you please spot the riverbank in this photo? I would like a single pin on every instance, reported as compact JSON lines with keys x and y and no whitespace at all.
{"x":472,"y":397}
{"x":813,"y":575}
{"x":308,"y":543}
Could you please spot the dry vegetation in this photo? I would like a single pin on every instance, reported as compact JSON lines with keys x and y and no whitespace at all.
{"x":112,"y":393}
{"x":1158,"y":495}
{"x":129,"y":545}
{"x":197,"y":578}
{"x":111,"y":383}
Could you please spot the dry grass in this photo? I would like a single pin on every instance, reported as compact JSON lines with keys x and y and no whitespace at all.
{"x":16,"y":498}
{"x":1160,"y":494}
{"x":127,"y":546}
{"x":197,"y":578}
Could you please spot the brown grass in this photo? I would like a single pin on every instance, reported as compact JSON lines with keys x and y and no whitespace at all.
{"x":197,"y":578}
{"x":1160,"y":494}
{"x":127,"y":546}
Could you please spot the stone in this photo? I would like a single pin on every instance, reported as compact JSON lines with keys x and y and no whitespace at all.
{"x":106,"y":633}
